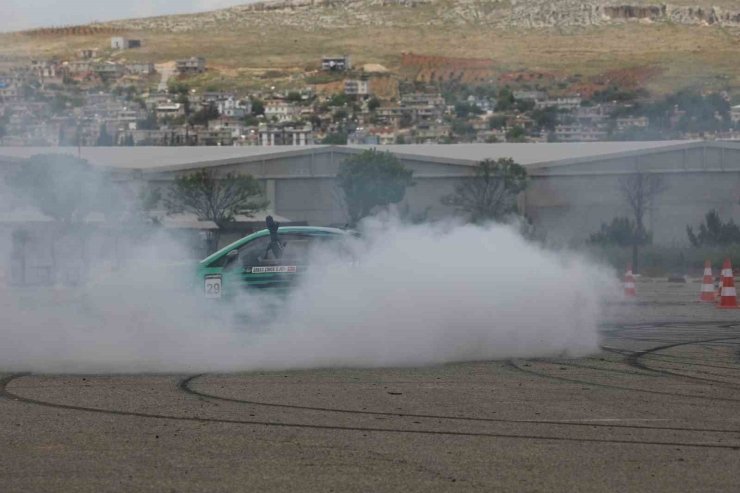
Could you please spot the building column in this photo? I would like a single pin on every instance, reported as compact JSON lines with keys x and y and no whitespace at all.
{"x":521,"y":202}
{"x":270,"y":195}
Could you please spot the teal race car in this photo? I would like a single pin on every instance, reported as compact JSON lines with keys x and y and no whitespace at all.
{"x":274,"y":259}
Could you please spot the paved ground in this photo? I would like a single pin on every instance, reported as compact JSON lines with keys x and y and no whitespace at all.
{"x":658,"y":410}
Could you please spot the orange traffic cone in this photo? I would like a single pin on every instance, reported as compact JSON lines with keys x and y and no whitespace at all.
{"x":629,"y":283}
{"x":728,"y":298}
{"x":718,"y":293}
{"x":707,"y":285}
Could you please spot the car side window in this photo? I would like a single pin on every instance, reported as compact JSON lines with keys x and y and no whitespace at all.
{"x":296,"y":248}
{"x":294,"y":251}
{"x":249,"y":254}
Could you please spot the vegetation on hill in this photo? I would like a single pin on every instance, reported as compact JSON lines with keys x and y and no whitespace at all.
{"x":261,"y":49}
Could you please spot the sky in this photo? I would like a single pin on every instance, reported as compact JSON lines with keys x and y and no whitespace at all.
{"x":25,"y":14}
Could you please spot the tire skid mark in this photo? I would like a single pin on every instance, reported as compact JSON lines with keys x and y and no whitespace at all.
{"x":4,"y":393}
{"x":635,"y":360}
{"x":184,"y":386}
{"x":619,"y":387}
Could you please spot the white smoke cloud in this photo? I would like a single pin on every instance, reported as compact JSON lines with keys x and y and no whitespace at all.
{"x":415,"y":295}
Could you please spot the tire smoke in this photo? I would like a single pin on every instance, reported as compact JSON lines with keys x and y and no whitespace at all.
{"x":413,"y":295}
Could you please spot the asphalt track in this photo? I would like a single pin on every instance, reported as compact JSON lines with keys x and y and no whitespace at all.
{"x":658,"y":409}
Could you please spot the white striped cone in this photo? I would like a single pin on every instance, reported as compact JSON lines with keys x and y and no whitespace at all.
{"x":629,"y":284}
{"x":707,"y":285}
{"x":718,"y":294}
{"x":729,"y":295}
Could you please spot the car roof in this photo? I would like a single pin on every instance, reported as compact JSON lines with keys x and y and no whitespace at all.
{"x":319,"y":230}
{"x":308,"y":229}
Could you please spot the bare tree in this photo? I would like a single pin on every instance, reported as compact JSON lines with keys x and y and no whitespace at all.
{"x":490,"y":194}
{"x":216,"y":197}
{"x":639,"y":191}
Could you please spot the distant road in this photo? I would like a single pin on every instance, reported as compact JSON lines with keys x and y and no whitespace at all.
{"x":167,"y":70}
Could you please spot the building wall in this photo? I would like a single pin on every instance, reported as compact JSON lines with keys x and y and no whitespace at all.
{"x":568,"y":202}
{"x":572,"y":204}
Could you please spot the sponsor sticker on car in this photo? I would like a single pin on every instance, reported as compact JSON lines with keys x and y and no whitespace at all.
{"x":213,"y":286}
{"x":273,"y":270}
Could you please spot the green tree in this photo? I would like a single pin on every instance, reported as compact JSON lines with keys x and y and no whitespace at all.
{"x":406,"y":120}
{"x":621,"y":232}
{"x":339,"y":116}
{"x":505,"y":100}
{"x":613,"y":93}
{"x":546,"y":118}
{"x":337,"y":138}
{"x":463,"y":109}
{"x":67,"y":190}
{"x":373,"y":104}
{"x":150,"y":123}
{"x":516,"y":134}
{"x":204,"y":115}
{"x":369,"y":180}
{"x":62,"y":136}
{"x":462,"y":128}
{"x":20,"y":240}
{"x":496,"y":122}
{"x":5,"y":117}
{"x":131,"y":92}
{"x":294,"y":96}
{"x":258,"y":107}
{"x":315,"y":121}
{"x":524,"y":105}
{"x":104,"y":138}
{"x":184,"y":100}
{"x":491,"y":192}
{"x":174,"y":87}
{"x":59,"y":103}
{"x":714,"y":232}
{"x":339,"y":99}
{"x":216,"y":197}
{"x":251,"y":121}
{"x":62,"y":187}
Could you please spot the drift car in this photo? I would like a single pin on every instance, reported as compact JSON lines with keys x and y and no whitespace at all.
{"x":273,"y":258}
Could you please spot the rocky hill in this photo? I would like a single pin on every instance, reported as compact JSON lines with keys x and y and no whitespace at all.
{"x":331,"y":14}
{"x":659,"y":46}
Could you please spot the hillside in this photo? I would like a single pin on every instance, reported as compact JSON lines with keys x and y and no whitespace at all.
{"x":329,"y":14}
{"x":273,"y":43}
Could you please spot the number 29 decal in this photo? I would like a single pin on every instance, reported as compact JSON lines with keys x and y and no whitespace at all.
{"x":213,"y":286}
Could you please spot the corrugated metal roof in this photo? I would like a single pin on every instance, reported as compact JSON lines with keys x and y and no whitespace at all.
{"x":175,"y":158}
{"x":525,"y":154}
{"x":157,"y":157}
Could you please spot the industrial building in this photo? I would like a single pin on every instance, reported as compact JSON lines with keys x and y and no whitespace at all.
{"x":573,"y":189}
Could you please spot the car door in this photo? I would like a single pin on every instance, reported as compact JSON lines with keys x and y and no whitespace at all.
{"x":268,"y":270}
{"x":234,"y":272}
